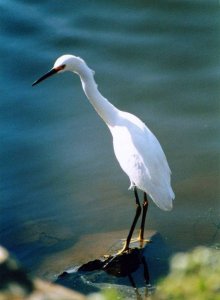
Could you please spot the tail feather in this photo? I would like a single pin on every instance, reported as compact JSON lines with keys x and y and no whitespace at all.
{"x":164,"y":200}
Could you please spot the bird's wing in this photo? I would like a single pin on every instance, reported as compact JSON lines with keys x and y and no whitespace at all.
{"x":155,"y":179}
{"x":141,"y":157}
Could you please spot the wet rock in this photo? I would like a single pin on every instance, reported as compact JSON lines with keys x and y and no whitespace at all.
{"x":94,"y":265}
{"x":133,"y":271}
{"x":125,"y":263}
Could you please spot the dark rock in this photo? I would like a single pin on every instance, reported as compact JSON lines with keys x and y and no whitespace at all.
{"x":15,"y":284}
{"x":94,"y":265}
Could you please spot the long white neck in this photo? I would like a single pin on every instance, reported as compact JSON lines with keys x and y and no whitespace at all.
{"x":104,"y":108}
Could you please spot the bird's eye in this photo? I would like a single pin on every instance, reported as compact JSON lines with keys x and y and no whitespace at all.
{"x":60,"y":67}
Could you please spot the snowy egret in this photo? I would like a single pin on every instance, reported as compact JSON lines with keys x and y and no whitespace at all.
{"x":136,"y":148}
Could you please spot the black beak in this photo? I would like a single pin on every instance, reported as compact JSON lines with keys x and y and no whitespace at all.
{"x":45,"y":76}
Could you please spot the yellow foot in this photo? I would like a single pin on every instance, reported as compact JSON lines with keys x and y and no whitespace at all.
{"x":142,"y":242}
{"x":123,"y":250}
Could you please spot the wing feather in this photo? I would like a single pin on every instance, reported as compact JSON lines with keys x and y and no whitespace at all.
{"x":141,"y":157}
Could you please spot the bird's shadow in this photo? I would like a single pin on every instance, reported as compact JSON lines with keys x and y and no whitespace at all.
{"x":133,"y":272}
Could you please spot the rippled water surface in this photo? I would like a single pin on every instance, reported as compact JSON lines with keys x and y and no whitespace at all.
{"x":59,"y":180}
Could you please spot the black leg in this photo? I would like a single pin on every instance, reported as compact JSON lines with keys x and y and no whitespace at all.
{"x":137,"y":215}
{"x":145,"y":207}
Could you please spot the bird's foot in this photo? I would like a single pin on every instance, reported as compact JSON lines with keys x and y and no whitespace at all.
{"x":142,"y":242}
{"x":125,"y":249}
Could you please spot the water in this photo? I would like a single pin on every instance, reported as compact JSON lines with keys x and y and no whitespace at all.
{"x":60,"y":181}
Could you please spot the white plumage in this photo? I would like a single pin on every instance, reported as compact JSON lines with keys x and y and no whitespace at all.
{"x":141,"y":157}
{"x":136,"y":148}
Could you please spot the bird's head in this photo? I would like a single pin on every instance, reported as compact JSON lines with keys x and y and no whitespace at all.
{"x":64,"y":63}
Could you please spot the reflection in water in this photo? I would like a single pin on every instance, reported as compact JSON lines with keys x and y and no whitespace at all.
{"x":127,"y":263}
{"x":132,"y":272}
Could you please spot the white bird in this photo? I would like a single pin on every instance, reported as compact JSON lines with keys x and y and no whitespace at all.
{"x":136,"y":148}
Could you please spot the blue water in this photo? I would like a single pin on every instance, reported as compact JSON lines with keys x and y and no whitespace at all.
{"x":59,"y":179}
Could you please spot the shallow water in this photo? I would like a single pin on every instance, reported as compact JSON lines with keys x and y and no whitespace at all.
{"x":59,"y":180}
